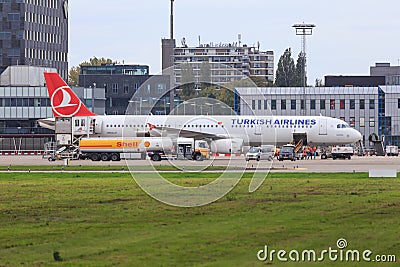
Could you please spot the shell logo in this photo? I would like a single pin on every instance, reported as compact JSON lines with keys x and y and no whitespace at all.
{"x":147,"y":144}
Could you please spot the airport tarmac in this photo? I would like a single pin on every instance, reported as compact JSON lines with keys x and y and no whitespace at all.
{"x":356,"y":164}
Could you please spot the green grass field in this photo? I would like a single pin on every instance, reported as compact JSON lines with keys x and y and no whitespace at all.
{"x":105,"y":219}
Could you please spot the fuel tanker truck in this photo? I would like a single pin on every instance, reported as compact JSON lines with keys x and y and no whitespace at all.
{"x":106,"y":149}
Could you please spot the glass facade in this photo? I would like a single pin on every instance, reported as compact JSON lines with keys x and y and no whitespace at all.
{"x":34,"y":33}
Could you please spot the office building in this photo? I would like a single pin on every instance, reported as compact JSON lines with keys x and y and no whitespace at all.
{"x":391,"y":73}
{"x":121,"y":82}
{"x":34,"y":33}
{"x":370,"y":110}
{"x":218,"y":63}
{"x":356,"y":81}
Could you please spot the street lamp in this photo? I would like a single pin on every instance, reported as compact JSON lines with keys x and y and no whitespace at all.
{"x":212,"y":107}
{"x":94,"y":89}
{"x":140,"y":104}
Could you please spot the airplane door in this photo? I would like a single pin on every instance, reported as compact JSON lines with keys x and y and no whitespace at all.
{"x":258,"y":130}
{"x":323,"y":128}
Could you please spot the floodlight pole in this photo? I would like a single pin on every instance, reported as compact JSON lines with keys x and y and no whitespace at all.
{"x":304,"y":30}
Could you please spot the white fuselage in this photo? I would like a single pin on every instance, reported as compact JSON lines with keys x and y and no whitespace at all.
{"x":253,"y":130}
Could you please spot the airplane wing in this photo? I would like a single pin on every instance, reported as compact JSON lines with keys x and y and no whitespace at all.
{"x":48,"y":123}
{"x":155,"y":131}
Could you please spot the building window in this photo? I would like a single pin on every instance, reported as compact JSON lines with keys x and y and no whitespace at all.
{"x":372,"y":104}
{"x":161,"y":87}
{"x":372,"y":122}
{"x":13,"y":16}
{"x":259,"y":104}
{"x":398,"y":103}
{"x":265,"y":104}
{"x":322,"y":104}
{"x":312,"y":104}
{"x":5,"y":35}
{"x":126,"y":88}
{"x":13,"y":52}
{"x":88,"y":103}
{"x":332,"y":104}
{"x":302,"y":103}
{"x":115,"y":88}
{"x":352,"y":104}
{"x":352,"y":122}
{"x":253,"y":104}
{"x":362,"y":122}
{"x":273,"y":104}
{"x":342,"y":104}
{"x":362,"y":103}
{"x":283,"y":104}
{"x":293,"y":104}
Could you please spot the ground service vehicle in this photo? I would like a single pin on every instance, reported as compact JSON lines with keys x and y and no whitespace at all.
{"x":261,"y":153}
{"x":392,"y":150}
{"x":338,"y":152}
{"x":267,"y":152}
{"x":287,"y":152}
{"x":342,"y":152}
{"x":254,"y":153}
{"x":186,"y":148}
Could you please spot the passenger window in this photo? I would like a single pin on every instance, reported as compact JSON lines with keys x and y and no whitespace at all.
{"x":77,"y":123}
{"x":83,"y":122}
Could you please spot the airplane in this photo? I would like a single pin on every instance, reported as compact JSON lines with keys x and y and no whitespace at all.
{"x":228,"y":134}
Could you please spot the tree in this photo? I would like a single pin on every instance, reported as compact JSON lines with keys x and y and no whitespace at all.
{"x":205,"y":73}
{"x":188,"y":86}
{"x":226,"y":96}
{"x":73,"y":77}
{"x":261,"y":81}
{"x":301,"y":79}
{"x":286,"y":71}
{"x":209,"y":92}
{"x":318,"y":83}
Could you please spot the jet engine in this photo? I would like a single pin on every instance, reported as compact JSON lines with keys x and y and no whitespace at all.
{"x":227,"y":146}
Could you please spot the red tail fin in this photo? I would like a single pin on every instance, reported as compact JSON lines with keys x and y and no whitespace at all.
{"x":64,"y":102}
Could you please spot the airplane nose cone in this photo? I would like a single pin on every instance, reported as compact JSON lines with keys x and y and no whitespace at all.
{"x":357,"y":136}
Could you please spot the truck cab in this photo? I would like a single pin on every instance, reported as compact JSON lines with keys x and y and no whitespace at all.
{"x":188,"y":148}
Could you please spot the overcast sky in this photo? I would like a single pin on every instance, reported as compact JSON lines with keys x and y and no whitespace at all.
{"x":350,"y":35}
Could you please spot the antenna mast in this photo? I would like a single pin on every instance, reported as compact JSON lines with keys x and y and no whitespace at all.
{"x":172,"y":20}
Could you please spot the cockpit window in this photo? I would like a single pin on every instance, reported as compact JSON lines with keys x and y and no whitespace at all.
{"x":343,"y":126}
